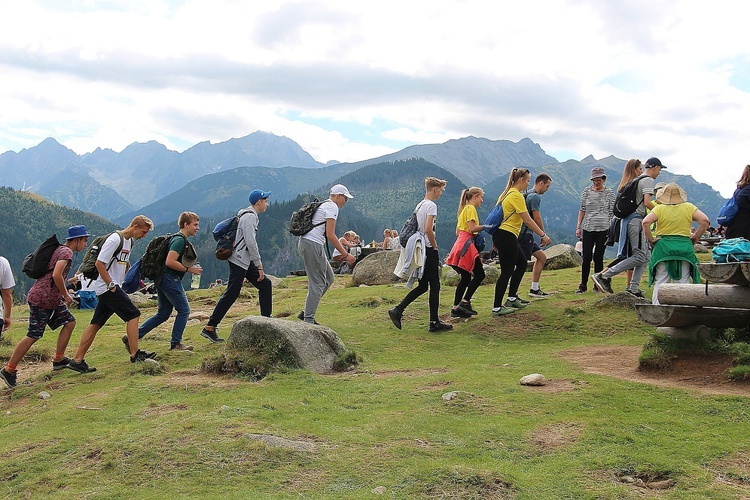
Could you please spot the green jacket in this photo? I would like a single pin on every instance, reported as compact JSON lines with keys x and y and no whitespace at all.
{"x":673,"y":250}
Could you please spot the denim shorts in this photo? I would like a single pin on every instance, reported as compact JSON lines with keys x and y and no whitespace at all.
{"x":40,"y":318}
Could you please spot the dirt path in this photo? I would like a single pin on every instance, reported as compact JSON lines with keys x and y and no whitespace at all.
{"x":705,"y":374}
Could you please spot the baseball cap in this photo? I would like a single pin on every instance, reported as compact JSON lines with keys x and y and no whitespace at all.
{"x":341,"y":189}
{"x":258,"y":194}
{"x":654,"y":162}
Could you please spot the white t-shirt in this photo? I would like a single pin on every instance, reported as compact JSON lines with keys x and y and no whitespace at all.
{"x":6,"y":278}
{"x":119,"y":267}
{"x":424,"y":209}
{"x":328,"y":210}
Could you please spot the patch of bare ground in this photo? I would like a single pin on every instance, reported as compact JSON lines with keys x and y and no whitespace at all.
{"x":419,"y":372}
{"x":733,"y":471}
{"x":706,"y":374}
{"x":198,"y":379}
{"x":511,"y":326}
{"x":554,"y":436}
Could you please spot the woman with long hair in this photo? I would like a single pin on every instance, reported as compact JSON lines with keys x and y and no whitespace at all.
{"x":505,"y":240}
{"x":464,"y":256}
{"x":740,"y":226}
{"x":597,"y":201}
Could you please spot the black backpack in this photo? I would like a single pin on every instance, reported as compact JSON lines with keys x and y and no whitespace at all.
{"x":88,"y":266}
{"x":152,"y":262}
{"x":302,"y":220}
{"x":36,"y":264}
{"x":225,"y":233}
{"x":625,"y":203}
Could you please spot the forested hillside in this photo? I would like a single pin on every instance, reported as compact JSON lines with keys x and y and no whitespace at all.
{"x":27,"y":219}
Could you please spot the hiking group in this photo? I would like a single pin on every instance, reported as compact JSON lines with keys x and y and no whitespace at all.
{"x":640,"y":217}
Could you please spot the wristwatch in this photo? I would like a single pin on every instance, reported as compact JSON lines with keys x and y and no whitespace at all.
{"x":111,"y":285}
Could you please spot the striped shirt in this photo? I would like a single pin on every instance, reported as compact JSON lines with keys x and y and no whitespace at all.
{"x":597,"y":209}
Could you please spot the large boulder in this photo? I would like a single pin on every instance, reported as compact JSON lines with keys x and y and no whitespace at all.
{"x":491,"y":275}
{"x":291,"y":343}
{"x":376,"y":269}
{"x":562,"y":257}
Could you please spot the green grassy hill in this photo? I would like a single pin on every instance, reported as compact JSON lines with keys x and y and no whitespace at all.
{"x":384,"y":427}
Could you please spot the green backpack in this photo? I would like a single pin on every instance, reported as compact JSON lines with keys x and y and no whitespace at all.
{"x":88,"y":266}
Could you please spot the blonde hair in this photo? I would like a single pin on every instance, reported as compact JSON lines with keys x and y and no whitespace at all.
{"x":387,"y":232}
{"x":628,"y":173}
{"x":142,"y":221}
{"x":466,"y":195}
{"x":515,"y":175}
{"x":433,"y":182}
{"x":187,"y":218}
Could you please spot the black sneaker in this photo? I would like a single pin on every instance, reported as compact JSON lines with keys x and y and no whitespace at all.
{"x":439,"y":326}
{"x":395,"y":316}
{"x":59,"y":365}
{"x":211,"y":335}
{"x":539,"y":294}
{"x":465,"y":307}
{"x":127,"y":344}
{"x":81,"y":367}
{"x":638,"y":293}
{"x":9,"y":377}
{"x":142,"y":356}
{"x":604,"y":284}
{"x":458,"y":312}
{"x":581,"y":289}
{"x":301,"y":316}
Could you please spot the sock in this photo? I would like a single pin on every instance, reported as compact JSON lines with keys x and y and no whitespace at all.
{"x":59,"y":356}
{"x":512,"y":298}
{"x":11,"y":368}
{"x":535,"y":285}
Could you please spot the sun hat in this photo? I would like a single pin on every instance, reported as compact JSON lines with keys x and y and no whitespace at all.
{"x":258,"y":194}
{"x":77,"y":232}
{"x":672,"y":194}
{"x":598,"y":173}
{"x":341,"y":189}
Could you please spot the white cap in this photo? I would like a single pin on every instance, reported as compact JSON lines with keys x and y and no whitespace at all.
{"x":341,"y":189}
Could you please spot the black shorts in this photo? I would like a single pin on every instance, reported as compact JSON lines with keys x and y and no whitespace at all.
{"x":528,"y":244}
{"x":114,"y":302}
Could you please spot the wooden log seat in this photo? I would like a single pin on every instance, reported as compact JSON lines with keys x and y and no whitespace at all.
{"x":734,"y":273}
{"x":687,"y":316}
{"x":713,"y":295}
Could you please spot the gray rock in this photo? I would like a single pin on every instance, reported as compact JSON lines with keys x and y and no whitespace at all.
{"x":44,"y":395}
{"x":377,"y":269}
{"x":535,"y":379}
{"x":451,"y":277}
{"x":562,"y":257}
{"x":449,"y":395}
{"x":701,"y":248}
{"x":380,"y":490}
{"x":298,"y":344}
{"x":621,"y":299}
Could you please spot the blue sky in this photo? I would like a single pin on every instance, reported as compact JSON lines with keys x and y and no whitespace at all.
{"x":348,"y":81}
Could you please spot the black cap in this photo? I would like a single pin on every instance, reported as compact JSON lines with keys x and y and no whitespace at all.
{"x":654,"y":162}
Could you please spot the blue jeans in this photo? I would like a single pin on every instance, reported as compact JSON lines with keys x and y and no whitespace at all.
{"x":171,"y":296}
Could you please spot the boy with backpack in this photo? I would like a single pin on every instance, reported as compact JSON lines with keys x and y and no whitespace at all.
{"x":636,"y":239}
{"x":49,"y":300}
{"x":311,"y":246}
{"x":112,"y":263}
{"x":180,"y":259}
{"x":244,"y":262}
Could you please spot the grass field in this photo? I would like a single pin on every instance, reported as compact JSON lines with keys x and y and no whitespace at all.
{"x":383,"y":429}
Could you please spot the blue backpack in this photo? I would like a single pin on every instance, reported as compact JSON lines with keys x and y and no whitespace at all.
{"x":132,"y":280}
{"x":728,"y":212}
{"x":495,"y":218}
{"x":732,"y":250}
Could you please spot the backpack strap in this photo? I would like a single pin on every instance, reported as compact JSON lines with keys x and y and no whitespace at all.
{"x":117,"y":250}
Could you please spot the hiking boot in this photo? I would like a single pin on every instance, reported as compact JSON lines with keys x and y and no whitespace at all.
{"x":439,"y":326}
{"x":301,"y":316}
{"x":80,"y":367}
{"x":638,"y":293}
{"x":395,"y":315}
{"x":458,"y":312}
{"x":466,"y":306}
{"x":581,"y":289}
{"x":211,"y":335}
{"x":127,"y":344}
{"x":502,"y":311}
{"x":539,"y":294}
{"x":522,"y":301}
{"x":9,"y":377}
{"x":516,"y":304}
{"x":59,"y":365}
{"x":142,"y":356}
{"x":604,"y":284}
{"x":179,"y":346}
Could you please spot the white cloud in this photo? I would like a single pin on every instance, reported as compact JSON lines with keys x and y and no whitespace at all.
{"x":629,"y":78}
